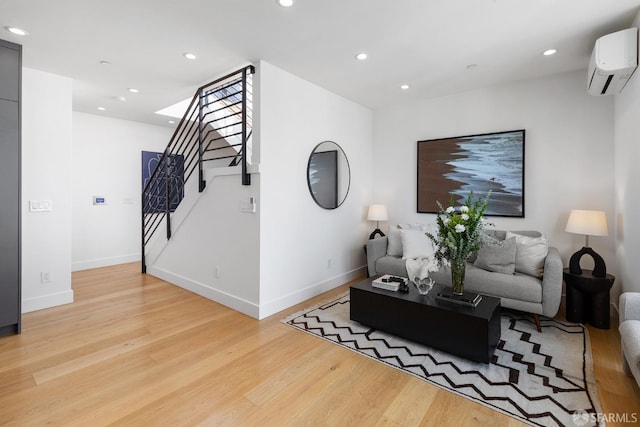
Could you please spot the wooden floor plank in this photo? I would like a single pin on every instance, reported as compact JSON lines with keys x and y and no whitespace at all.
{"x":135,"y":350}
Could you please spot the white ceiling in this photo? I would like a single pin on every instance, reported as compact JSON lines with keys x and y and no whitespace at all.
{"x":426,"y":44}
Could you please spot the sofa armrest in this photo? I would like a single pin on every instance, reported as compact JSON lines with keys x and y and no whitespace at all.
{"x":376,"y":248}
{"x":629,"y":306}
{"x":552,"y":283}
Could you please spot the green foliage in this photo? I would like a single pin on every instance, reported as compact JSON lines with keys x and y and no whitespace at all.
{"x":460,"y":231}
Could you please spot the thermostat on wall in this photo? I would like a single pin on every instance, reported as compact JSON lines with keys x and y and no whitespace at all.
{"x":99,"y":200}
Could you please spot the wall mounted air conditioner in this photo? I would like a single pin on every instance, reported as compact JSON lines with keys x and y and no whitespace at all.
{"x":613,"y":61}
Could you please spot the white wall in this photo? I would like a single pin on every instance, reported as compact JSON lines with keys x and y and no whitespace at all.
{"x":215,"y":251}
{"x":107,"y":162}
{"x":627,"y":184}
{"x":568,"y":152}
{"x":304,"y":249}
{"x":46,"y":175}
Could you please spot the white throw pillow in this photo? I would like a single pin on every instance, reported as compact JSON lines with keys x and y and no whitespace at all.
{"x":530,"y":253}
{"x":394,"y":242}
{"x":416,"y":245}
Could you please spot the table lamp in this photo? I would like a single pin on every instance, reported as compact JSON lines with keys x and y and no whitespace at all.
{"x":377,"y":213}
{"x":589,"y":223}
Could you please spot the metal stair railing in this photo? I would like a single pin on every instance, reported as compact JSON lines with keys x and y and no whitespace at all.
{"x":216,"y":126}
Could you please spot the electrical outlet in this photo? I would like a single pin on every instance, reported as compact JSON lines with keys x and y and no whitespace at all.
{"x":45,"y":277}
{"x":328,"y":263}
{"x":217,"y":272}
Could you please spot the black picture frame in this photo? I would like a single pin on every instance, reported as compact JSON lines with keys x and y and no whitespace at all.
{"x":479,"y":163}
{"x":156,"y":195}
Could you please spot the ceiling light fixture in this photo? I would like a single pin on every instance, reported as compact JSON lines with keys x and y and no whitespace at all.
{"x":472,"y":66}
{"x":189,"y":55}
{"x":172,"y":122}
{"x":102,"y":109}
{"x":404,"y":87}
{"x":549,"y":52}
{"x":133,"y":90}
{"x":285,"y":3}
{"x":17,"y":31}
{"x":361,"y":56}
{"x":103,"y":62}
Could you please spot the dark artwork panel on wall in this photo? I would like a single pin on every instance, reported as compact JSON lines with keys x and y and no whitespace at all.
{"x":323,"y":178}
{"x":479,"y":163}
{"x":157,"y":190}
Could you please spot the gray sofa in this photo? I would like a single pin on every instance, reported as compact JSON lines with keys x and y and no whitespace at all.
{"x":516,"y":291}
{"x":630,"y":333}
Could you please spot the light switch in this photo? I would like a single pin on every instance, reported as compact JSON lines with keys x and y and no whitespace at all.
{"x":40,"y":205}
{"x":248,"y":205}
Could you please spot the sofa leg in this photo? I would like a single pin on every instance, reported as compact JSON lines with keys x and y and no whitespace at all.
{"x":536,"y":318}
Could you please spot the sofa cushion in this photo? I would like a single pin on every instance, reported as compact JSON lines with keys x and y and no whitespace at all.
{"x":395,"y":266}
{"x":530,"y":253}
{"x":499,"y":256}
{"x":416,"y":244}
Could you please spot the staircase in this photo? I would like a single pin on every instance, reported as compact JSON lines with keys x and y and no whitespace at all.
{"x":215,"y":131}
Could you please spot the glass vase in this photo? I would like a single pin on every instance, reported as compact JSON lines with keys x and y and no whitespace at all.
{"x":457,"y":276}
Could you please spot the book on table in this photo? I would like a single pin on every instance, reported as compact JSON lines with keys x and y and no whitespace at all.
{"x":469,"y":299}
{"x":385,"y":282}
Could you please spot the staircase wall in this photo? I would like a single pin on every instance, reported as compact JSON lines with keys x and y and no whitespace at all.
{"x":214,"y":251}
{"x":306,"y":250}
{"x":290,"y":249}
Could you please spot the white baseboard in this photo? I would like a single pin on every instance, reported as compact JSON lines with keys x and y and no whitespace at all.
{"x":104,"y":262}
{"x":257,"y":311}
{"x":284,"y":302}
{"x":231,"y":301}
{"x":47,"y":301}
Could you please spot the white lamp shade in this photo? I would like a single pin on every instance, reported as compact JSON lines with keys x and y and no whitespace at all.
{"x":377,"y":213}
{"x":589,"y":223}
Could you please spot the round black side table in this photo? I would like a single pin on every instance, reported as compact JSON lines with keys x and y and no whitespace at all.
{"x":588,"y":298}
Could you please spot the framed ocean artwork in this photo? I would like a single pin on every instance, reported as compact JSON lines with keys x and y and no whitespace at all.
{"x":479,"y":163}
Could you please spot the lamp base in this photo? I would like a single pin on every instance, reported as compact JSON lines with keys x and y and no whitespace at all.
{"x":375,"y":232}
{"x":599,"y":268}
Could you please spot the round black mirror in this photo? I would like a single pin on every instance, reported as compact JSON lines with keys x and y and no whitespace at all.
{"x":328,"y":175}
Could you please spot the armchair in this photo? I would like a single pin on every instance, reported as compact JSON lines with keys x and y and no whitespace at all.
{"x":630,"y":333}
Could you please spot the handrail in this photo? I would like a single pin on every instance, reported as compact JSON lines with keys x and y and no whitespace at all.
{"x":219,"y":111}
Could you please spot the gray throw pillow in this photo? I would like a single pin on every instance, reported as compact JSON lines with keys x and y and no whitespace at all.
{"x":531,"y":253}
{"x":394,"y":244}
{"x":499,"y":257}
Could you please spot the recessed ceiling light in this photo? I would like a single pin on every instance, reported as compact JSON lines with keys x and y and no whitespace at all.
{"x":404,"y":87}
{"x":549,"y":52}
{"x":285,"y":3}
{"x":172,"y":121}
{"x":189,"y":55}
{"x":102,"y":109}
{"x":17,"y":31}
{"x":472,"y":66}
{"x":361,"y":56}
{"x":103,"y":62}
{"x":133,"y":90}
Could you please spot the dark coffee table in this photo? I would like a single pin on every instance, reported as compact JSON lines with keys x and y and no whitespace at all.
{"x":469,"y":332}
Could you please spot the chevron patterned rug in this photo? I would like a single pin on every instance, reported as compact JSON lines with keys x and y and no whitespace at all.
{"x":543,"y":379}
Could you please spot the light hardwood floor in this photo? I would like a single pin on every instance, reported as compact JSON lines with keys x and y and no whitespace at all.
{"x":136,"y":351}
